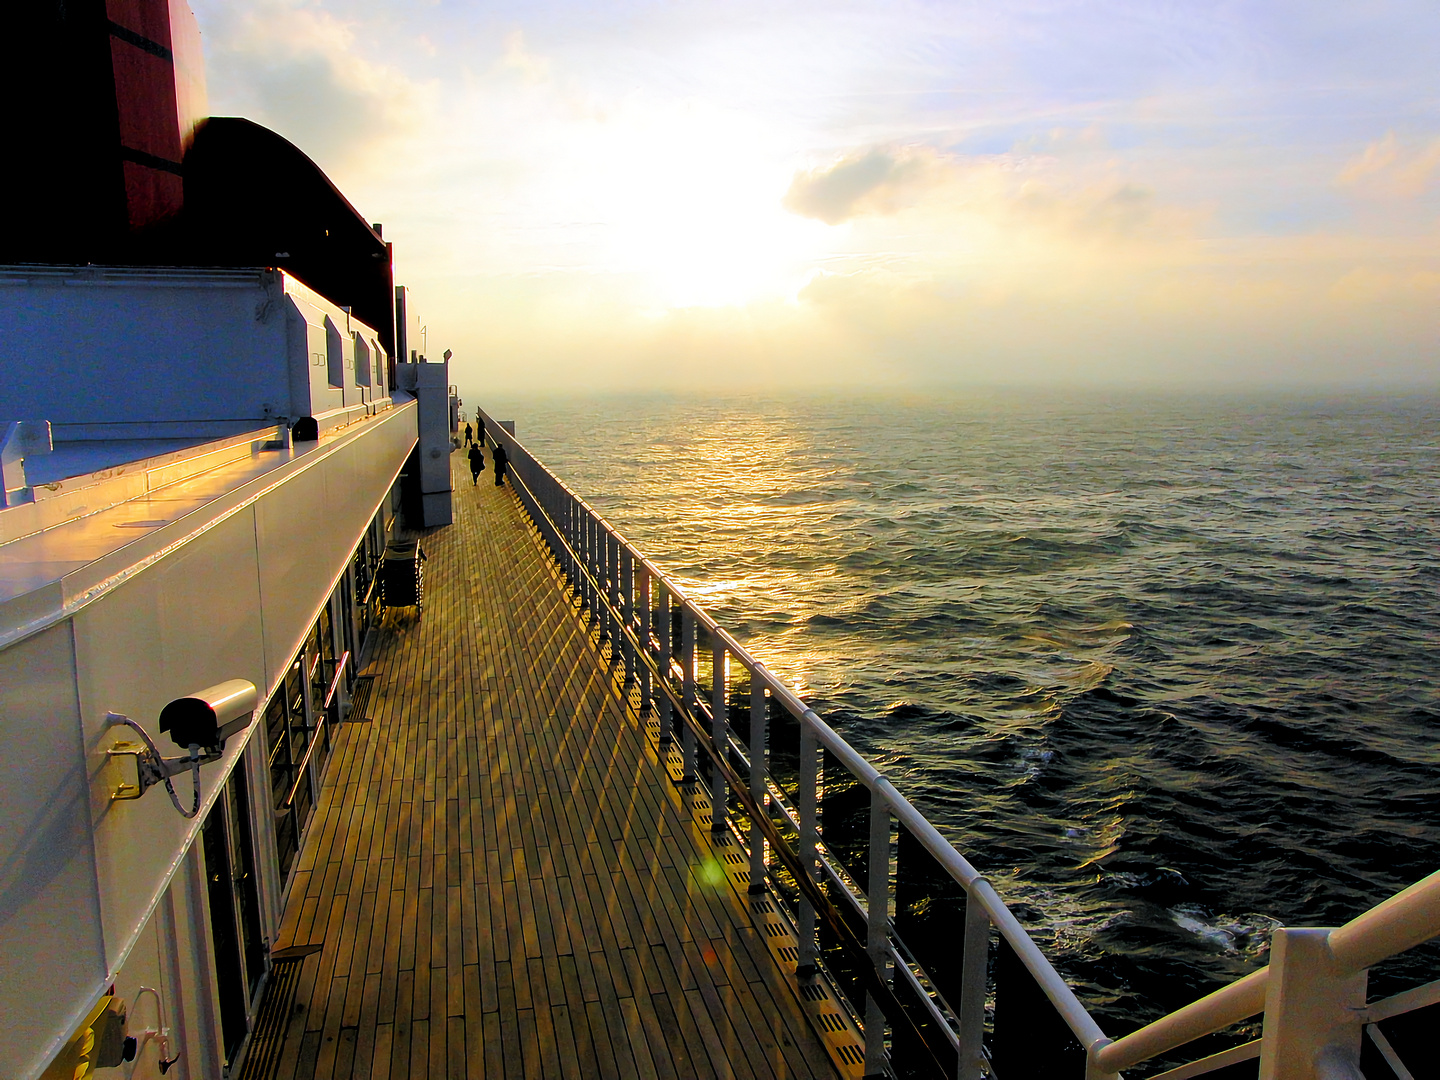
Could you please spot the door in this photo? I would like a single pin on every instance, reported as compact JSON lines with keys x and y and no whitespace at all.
{"x":243,"y":881}
{"x":224,"y":934}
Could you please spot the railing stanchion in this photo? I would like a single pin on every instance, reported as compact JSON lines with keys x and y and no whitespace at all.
{"x":597,"y":570}
{"x":719,"y":723}
{"x":1312,"y":1022}
{"x":974,"y":969}
{"x":627,"y":609}
{"x":809,"y":782}
{"x":597,"y":583}
{"x":643,"y":612}
{"x":612,"y":590}
{"x":597,"y":587}
{"x":687,"y":658}
{"x":587,"y":529}
{"x":759,"y":769}
{"x":587,"y":595}
{"x":877,"y":929}
{"x":577,"y":576}
{"x":567,"y":529}
{"x":667,"y":656}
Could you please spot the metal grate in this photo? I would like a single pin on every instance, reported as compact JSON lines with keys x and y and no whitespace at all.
{"x":360,"y":699}
{"x":267,"y":1041}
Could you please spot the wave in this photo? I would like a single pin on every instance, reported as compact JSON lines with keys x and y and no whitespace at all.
{"x":1164,"y":674}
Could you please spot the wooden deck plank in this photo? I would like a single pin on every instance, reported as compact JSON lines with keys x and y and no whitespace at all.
{"x":503,"y":878}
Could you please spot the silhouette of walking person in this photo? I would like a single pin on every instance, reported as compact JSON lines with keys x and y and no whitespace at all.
{"x":469,"y":433}
{"x":477,"y":462}
{"x":501,"y":459}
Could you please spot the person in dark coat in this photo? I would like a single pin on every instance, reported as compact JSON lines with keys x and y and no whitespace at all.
{"x":477,"y":462}
{"x":469,"y":434}
{"x":500,"y":461}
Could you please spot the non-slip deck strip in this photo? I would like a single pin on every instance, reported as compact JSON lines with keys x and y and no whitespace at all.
{"x":503,"y":878}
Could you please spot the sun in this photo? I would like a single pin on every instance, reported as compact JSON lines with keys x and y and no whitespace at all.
{"x":685,"y":201}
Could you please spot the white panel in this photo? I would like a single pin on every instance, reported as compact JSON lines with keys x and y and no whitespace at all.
{"x":308,"y":527}
{"x":194,"y":617}
{"x":180,"y":350}
{"x":51,"y":952}
{"x":291,"y":533}
{"x":189,"y":621}
{"x":145,"y":967}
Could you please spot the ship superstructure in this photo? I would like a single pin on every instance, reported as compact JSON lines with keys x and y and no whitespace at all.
{"x":206,"y":417}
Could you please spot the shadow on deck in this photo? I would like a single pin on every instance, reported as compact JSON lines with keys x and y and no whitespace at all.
{"x":502,"y":877}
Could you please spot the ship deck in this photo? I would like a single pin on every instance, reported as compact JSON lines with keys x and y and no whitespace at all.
{"x":501,"y":878}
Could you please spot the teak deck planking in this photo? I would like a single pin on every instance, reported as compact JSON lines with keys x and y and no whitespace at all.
{"x":504,"y":879}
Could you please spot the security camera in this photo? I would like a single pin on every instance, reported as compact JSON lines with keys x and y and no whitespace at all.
{"x":211,"y":716}
{"x":200,"y":722}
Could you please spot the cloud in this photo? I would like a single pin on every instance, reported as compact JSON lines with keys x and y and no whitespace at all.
{"x":1012,"y":198}
{"x":872,"y":181}
{"x":1118,"y":210}
{"x":1388,"y":169}
{"x":519,"y":58}
{"x":298,"y":69}
{"x":1063,"y":140}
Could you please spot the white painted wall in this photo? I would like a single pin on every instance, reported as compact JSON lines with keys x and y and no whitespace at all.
{"x":146,"y":353}
{"x":82,"y":878}
{"x":52,"y":955}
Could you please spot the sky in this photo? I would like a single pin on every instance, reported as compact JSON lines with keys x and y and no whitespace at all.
{"x":742,"y":196}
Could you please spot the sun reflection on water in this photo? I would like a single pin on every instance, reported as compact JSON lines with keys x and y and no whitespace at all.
{"x":1090,"y":640}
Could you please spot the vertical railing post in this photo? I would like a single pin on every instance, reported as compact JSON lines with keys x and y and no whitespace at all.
{"x":719,"y":722}
{"x":627,"y":609}
{"x":974,"y":971}
{"x":567,"y":526}
{"x":597,"y":574}
{"x":643,"y":603}
{"x":611,"y":625}
{"x":666,"y":656}
{"x":759,"y":770}
{"x":577,"y":546}
{"x":877,"y":929}
{"x":1312,"y":1028}
{"x":809,"y":784}
{"x":687,"y":658}
{"x":597,"y":619}
{"x":561,"y":512}
{"x":573,"y":522}
{"x":602,"y":578}
{"x":587,"y":549}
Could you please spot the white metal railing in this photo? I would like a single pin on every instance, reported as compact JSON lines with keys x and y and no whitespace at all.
{"x":924,"y":999}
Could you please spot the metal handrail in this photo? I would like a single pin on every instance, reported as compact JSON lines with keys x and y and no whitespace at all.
{"x":1067,"y":1005}
{"x":614,"y":580}
{"x":320,"y":727}
{"x":718,"y":759}
{"x":1407,"y":919}
{"x":1229,"y":1005}
{"x":335,"y":682}
{"x":305,"y":760}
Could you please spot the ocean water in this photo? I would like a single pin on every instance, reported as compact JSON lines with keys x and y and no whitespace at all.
{"x":1165,"y":669}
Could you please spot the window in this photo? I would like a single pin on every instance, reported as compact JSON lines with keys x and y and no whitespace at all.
{"x":288,"y":734}
{"x":239,"y":951}
{"x":337,"y":346}
{"x":363,"y":354}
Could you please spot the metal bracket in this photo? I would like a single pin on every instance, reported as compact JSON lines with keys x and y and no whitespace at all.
{"x":139,"y":752}
{"x":151,"y":768}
